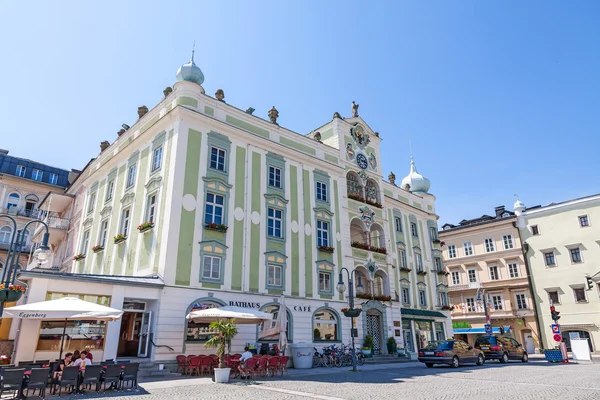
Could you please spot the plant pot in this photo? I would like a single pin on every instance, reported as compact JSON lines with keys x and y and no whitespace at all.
{"x":366,"y":352}
{"x":391,"y":349}
{"x":117,"y":241}
{"x":146,"y":229}
{"x":400,"y":352}
{"x":352,"y":313}
{"x":222,"y":375}
{"x":10,"y":296}
{"x":98,"y":250}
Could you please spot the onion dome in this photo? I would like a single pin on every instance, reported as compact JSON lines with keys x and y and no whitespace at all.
{"x":415,"y":182}
{"x":190,"y":72}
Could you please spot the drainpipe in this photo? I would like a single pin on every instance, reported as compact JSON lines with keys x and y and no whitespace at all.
{"x":524,"y":249}
{"x":18,"y":333}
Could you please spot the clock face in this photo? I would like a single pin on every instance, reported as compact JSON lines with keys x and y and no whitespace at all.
{"x":362,"y":161}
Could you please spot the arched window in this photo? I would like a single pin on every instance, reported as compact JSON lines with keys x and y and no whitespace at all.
{"x":200,"y":332}
{"x":269,"y":331}
{"x":372,"y":192}
{"x":326,"y":326}
{"x":378,"y":286}
{"x":5,"y":234}
{"x":357,"y":231}
{"x":376,"y":236}
{"x":355,"y":189}
{"x":13,"y":202}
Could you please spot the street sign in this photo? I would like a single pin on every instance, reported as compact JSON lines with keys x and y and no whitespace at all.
{"x":557,"y":338}
{"x":555,"y":328}
{"x":488,"y":329}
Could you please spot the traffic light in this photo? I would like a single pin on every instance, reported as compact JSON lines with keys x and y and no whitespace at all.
{"x":590,"y":283}
{"x":555,"y":314}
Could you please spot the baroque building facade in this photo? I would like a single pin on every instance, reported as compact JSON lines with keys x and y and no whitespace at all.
{"x":200,"y":204}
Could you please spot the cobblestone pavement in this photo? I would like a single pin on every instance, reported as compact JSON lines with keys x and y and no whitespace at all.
{"x":535,"y":380}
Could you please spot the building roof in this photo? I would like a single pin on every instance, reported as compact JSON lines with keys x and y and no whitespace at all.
{"x":501,"y":214}
{"x":149,"y":280}
{"x":9,"y":164}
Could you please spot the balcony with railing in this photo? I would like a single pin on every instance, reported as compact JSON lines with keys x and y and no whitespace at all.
{"x":57,"y":228}
{"x":464,"y":286}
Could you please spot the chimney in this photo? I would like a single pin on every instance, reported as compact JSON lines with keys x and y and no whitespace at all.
{"x":499,"y":211}
{"x":3,"y":152}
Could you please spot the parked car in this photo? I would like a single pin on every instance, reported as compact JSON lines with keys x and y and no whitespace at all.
{"x":450,"y":352}
{"x":501,"y":348}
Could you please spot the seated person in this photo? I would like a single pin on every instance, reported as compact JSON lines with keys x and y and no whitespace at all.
{"x":246,"y":355}
{"x":82,"y":361}
{"x":66,"y":362}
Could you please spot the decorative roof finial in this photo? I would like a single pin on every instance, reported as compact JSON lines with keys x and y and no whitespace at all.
{"x":273,"y":114}
{"x":193,"y":50}
{"x":354,"y":110}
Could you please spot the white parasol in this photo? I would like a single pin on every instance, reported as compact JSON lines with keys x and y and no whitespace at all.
{"x":65,"y":308}
{"x":282,"y":319}
{"x":241,"y":315}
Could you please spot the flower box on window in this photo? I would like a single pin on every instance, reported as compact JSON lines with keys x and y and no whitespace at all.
{"x":97,"y":248}
{"x":79,"y":257}
{"x":381,"y":250}
{"x":421,"y":272}
{"x":446,"y":307}
{"x":436,"y":241}
{"x":351,"y":312}
{"x":369,"y":296}
{"x":120,"y":238}
{"x":356,"y":197}
{"x":442,"y":272}
{"x":216,"y":227}
{"x":11,"y":294}
{"x":326,"y":249}
{"x":360,"y":245}
{"x":146,"y":226}
{"x":405,"y":269}
{"x":374,"y":203}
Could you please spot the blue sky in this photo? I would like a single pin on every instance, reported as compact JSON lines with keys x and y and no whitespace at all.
{"x":497,"y":98}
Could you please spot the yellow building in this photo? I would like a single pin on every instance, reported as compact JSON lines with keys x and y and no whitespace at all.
{"x":484,"y":260}
{"x":563,"y":250}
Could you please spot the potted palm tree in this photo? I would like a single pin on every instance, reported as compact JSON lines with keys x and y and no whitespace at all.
{"x":225,"y":331}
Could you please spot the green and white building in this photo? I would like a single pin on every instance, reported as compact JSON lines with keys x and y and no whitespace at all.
{"x":239,"y":211}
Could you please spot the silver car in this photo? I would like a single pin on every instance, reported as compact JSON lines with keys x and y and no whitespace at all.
{"x":450,"y":352}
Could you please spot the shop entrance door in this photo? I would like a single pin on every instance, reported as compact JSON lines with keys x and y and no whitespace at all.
{"x":144,"y":334}
{"x":135,"y":330}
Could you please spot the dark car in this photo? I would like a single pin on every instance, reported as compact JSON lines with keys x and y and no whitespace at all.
{"x":501,"y":348}
{"x":450,"y":352}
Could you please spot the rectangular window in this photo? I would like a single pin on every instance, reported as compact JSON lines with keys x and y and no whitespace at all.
{"x":579,"y":294}
{"x":131,"y":175}
{"x":443,"y":298}
{"x":125,"y":215}
{"x":422,"y":298}
{"x":452,"y":251}
{"x":322,"y":191}
{"x":403,"y":262}
{"x":151,"y":208}
{"x":549,"y":258}
{"x":211,"y":268}
{"x":85,"y":242}
{"x":456,"y":277}
{"x":103,"y":233}
{"x":398,"y":224}
{"x":217,"y":158}
{"x":37,"y":174}
{"x":468,"y":248}
{"x":325,"y":282}
{"x":438,"y":264}
{"x":575,"y":255}
{"x":553,"y":297}
{"x":584,"y":221}
{"x":472,"y":275}
{"x":53,"y":178}
{"x":433,"y":233}
{"x":274,"y":222}
{"x":489,"y":245}
{"x":92,"y":202}
{"x":508,"y":242}
{"x":521,"y":301}
{"x":322,"y":233}
{"x":214,"y":209}
{"x":497,"y":302}
{"x":274,"y":177}
{"x":405,"y":296}
{"x":275,"y":272}
{"x":535,"y":230}
{"x":157,"y":158}
{"x":21,"y":171}
{"x":413,"y":229}
{"x":419,"y":262}
{"x":110,"y":188}
{"x":513,"y":270}
{"x":494,"y":273}
{"x":470,"y":304}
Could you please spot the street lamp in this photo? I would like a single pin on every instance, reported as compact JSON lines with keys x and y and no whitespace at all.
{"x":41,"y":255}
{"x":342,"y":288}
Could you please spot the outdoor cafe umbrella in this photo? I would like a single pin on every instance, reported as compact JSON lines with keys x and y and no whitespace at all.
{"x":241,"y":315}
{"x":282,"y":319}
{"x":65,"y":308}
